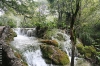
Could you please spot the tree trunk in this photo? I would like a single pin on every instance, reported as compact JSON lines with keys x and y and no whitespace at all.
{"x":73,"y":50}
{"x":73,"y":38}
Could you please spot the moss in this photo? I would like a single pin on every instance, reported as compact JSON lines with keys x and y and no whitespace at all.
{"x":80,"y":48}
{"x":50,"y":42}
{"x":55,"y":54}
{"x":63,"y":58}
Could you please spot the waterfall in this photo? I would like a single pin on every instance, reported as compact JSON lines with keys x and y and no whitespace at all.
{"x":30,"y":48}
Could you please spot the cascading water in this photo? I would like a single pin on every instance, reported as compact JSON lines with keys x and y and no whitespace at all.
{"x":29,"y":47}
{"x":30,"y":50}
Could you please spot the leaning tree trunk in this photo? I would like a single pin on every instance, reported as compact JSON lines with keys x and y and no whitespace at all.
{"x":72,"y":30}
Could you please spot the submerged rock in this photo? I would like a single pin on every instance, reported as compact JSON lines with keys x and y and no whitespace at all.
{"x":54,"y":54}
{"x":50,"y":42}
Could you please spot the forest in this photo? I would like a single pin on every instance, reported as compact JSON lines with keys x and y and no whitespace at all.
{"x":53,"y":21}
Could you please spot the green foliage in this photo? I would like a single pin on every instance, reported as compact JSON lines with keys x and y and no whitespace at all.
{"x":21,"y":7}
{"x":50,"y":25}
{"x":86,"y":39}
{"x":62,"y":25}
{"x":11,"y":24}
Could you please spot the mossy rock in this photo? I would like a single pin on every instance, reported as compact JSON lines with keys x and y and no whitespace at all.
{"x":80,"y":48}
{"x":89,"y":51}
{"x":50,"y":42}
{"x":10,"y":36}
{"x":60,"y":36}
{"x":53,"y":53}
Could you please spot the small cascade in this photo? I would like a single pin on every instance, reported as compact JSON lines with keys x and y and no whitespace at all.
{"x":29,"y":33}
{"x":25,"y":31}
{"x":65,"y":44}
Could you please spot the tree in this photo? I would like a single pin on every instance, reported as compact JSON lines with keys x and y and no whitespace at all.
{"x":72,"y":30}
{"x":60,"y":7}
{"x":23,"y":8}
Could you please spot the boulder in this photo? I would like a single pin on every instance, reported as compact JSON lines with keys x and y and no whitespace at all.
{"x":54,"y":54}
{"x":8,"y":56}
{"x":50,"y":42}
{"x":60,"y":36}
